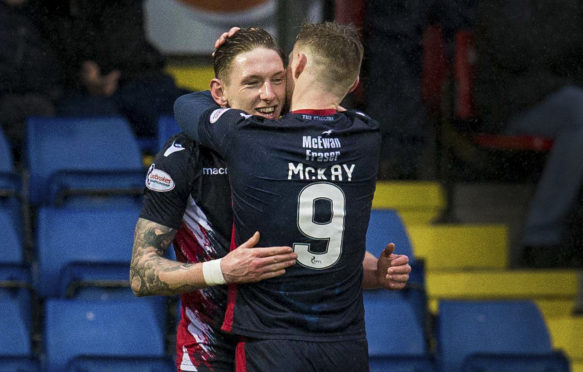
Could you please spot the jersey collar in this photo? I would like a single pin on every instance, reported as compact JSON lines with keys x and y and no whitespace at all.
{"x":325,"y":112}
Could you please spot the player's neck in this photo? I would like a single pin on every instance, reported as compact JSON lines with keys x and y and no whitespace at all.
{"x":314,"y":99}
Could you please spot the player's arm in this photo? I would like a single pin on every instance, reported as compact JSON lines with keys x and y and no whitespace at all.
{"x":203,"y":121}
{"x":188,"y":111}
{"x":153,"y":274}
{"x":389,"y":271}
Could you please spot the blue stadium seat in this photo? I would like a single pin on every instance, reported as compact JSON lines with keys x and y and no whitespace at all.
{"x":85,"y":253}
{"x":10,"y":244}
{"x":396,"y":340}
{"x":108,"y":329}
{"x":15,"y":337}
{"x":8,"y":178}
{"x":70,"y":158}
{"x":15,"y":281}
{"x":83,"y":248}
{"x":10,"y":184}
{"x":385,"y":226}
{"x":121,"y":364}
{"x":19,"y":364}
{"x":167,"y":127}
{"x":495,"y":335}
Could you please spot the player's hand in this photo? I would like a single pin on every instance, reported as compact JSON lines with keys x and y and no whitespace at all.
{"x":247,"y":263}
{"x":96,"y":83}
{"x":392,"y":269}
{"x":224,"y":36}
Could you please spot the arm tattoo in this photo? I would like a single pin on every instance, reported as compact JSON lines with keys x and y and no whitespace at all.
{"x":151,"y":241}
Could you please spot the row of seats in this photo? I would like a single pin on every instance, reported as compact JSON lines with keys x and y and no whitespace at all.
{"x":64,"y":157}
{"x":86,"y":335}
{"x":469,"y":335}
{"x":124,"y":335}
{"x":82,"y":247}
{"x":67,"y":224}
{"x":465,"y":336}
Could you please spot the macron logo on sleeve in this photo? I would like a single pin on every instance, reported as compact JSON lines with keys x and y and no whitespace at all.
{"x":172,"y":149}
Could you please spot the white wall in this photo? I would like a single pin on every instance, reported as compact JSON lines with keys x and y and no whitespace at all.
{"x":177,"y":28}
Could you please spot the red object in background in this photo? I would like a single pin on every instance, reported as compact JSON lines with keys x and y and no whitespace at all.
{"x":224,"y":5}
{"x":350,"y":11}
{"x":434,"y":67}
{"x":465,"y":109}
{"x":465,"y":61}
{"x":347,"y":12}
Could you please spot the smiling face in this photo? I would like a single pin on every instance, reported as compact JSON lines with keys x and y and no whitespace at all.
{"x":256,"y":83}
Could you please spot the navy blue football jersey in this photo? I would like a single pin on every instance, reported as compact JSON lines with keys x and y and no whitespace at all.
{"x":187,"y":189}
{"x":307,"y":181}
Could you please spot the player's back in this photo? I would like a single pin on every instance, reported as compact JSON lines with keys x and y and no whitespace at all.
{"x":306,"y":181}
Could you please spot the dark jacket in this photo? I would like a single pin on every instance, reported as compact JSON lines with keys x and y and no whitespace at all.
{"x":526,"y":50}
{"x":109,"y":32}
{"x":27,"y":62}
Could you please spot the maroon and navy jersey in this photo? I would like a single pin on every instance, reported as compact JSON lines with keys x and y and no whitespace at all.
{"x":187,"y":189}
{"x":307,"y":181}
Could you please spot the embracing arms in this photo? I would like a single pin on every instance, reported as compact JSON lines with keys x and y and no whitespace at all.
{"x":153,"y":274}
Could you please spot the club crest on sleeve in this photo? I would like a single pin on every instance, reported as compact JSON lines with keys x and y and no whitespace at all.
{"x":158,"y":180}
{"x":215,"y":115}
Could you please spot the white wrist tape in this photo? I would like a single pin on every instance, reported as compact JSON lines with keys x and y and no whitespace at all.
{"x":212,"y":274}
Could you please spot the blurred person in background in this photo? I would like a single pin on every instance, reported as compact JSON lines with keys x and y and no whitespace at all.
{"x":110,"y":68}
{"x":393,"y":34}
{"x":529,"y":80}
{"x":29,"y":71}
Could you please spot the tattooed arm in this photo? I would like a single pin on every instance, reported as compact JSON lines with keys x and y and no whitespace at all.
{"x":153,"y":274}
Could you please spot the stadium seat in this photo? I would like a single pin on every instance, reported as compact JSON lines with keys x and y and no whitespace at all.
{"x":15,"y":338}
{"x":19,"y":364}
{"x":385,"y":226}
{"x":9,"y":181}
{"x":15,"y":281}
{"x":85,"y":253}
{"x":71,"y":158}
{"x":108,"y":329}
{"x":83,"y":248}
{"x":495,"y":335}
{"x":121,"y":364}
{"x":10,"y":244}
{"x":10,"y":185}
{"x":396,"y":340}
{"x":167,"y":127}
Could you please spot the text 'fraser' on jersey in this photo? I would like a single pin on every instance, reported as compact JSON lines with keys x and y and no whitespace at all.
{"x":319,"y":142}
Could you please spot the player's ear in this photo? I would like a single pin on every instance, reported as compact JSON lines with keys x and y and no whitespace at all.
{"x":301,"y":63}
{"x":353,"y":87}
{"x":218,"y":92}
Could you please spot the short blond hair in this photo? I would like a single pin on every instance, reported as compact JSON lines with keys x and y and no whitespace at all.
{"x":337,"y":49}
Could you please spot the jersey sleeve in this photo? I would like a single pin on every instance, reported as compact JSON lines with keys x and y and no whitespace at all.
{"x":169,"y":182}
{"x":188,"y":110}
{"x":204,"y":122}
{"x":217,"y":128}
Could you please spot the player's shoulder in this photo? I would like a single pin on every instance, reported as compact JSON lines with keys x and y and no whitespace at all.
{"x":356,"y":115}
{"x":175,"y":164}
{"x":177,"y":148}
{"x":231,"y":115}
